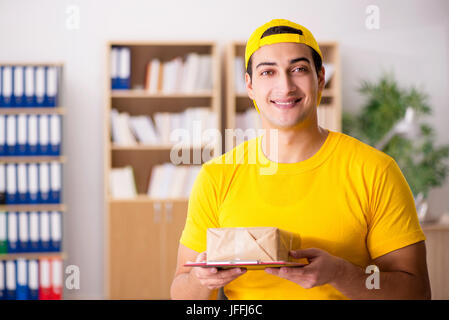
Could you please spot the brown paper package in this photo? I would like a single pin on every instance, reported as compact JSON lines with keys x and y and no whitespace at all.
{"x":255,"y":243}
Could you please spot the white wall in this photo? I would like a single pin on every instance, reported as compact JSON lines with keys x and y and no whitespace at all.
{"x":413,"y":41}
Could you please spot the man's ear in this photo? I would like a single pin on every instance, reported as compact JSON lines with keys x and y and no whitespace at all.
{"x":321,"y":78}
{"x":249,"y":86}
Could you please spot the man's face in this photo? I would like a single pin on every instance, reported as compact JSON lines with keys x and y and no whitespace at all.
{"x":285,"y":84}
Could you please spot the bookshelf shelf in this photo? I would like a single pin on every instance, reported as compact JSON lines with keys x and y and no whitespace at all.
{"x":34,"y":255}
{"x":144,"y":94}
{"x":33,"y":64}
{"x":156,"y":147}
{"x":141,"y":198}
{"x":32,"y":110}
{"x":33,"y":207}
{"x":150,"y":227}
{"x":33,"y":159}
{"x":238,"y":102}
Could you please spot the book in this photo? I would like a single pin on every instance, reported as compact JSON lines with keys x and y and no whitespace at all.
{"x":329,"y":72}
{"x":3,"y":233}
{"x":191,"y":177}
{"x":167,"y":180}
{"x":115,"y":133}
{"x":146,"y":84}
{"x":155,"y":180}
{"x":170,"y":181}
{"x":191,"y":73}
{"x":239,"y":75}
{"x":144,"y":130}
{"x":167,"y":77}
{"x":204,"y":70}
{"x":120,"y":129}
{"x":179,"y":179}
{"x":162,"y":123}
{"x":171,"y":74}
{"x":122,"y":184}
{"x":155,"y":66}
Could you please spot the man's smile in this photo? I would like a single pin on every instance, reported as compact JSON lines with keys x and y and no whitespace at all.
{"x":286,"y":103}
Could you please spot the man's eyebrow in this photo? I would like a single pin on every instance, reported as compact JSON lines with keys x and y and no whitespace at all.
{"x":299,"y":59}
{"x":291,"y":62}
{"x":266,"y":64}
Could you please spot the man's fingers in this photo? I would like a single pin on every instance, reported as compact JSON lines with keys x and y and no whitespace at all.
{"x":202,"y":257}
{"x":288,"y":271}
{"x":305,"y":253}
{"x":273,"y":271}
{"x":219,"y":279}
{"x":222,"y":274}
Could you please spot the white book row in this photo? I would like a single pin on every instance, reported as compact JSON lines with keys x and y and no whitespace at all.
{"x":31,"y":279}
{"x":127,"y":130}
{"x":30,"y":134}
{"x":23,"y":183}
{"x":188,"y":75}
{"x":35,"y":231}
{"x":239,"y":71}
{"x":170,"y":181}
{"x":29,"y":86}
{"x":166,"y":181}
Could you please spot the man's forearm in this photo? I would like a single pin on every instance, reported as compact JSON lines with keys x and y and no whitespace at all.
{"x":185,"y":287}
{"x":351,"y":281}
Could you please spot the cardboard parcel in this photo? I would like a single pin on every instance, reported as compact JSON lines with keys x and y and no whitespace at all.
{"x":263,"y":244}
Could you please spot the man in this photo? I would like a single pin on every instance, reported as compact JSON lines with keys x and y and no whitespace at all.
{"x":348,"y":201}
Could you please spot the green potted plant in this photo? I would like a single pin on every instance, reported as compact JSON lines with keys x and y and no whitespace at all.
{"x":391,"y":120}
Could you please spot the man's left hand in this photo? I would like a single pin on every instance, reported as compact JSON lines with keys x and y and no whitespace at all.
{"x":323,"y":268}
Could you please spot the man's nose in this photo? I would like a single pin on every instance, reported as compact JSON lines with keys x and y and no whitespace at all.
{"x":285,"y":84}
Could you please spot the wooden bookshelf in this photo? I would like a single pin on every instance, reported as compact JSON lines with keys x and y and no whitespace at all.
{"x":142,"y":234}
{"x":330,"y":106}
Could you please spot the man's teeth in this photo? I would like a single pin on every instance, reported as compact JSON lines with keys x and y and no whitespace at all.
{"x":285,"y":103}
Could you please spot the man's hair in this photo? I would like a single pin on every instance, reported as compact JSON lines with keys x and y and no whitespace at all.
{"x":285,"y":29}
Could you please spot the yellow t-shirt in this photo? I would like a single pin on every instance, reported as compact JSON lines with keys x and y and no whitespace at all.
{"x":348,"y":199}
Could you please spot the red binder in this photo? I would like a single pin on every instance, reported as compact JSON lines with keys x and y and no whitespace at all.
{"x":56,"y":279}
{"x":44,"y":279}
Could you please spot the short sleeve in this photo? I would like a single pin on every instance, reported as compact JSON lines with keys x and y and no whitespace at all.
{"x":201,"y":213}
{"x":393,"y":222}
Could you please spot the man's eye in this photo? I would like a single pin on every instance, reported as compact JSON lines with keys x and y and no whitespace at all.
{"x":265,"y":73}
{"x":300,"y":69}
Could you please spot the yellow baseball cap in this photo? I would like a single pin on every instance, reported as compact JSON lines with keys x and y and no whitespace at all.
{"x":303,"y":35}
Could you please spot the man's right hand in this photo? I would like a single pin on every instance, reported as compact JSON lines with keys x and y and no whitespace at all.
{"x":212,"y":278}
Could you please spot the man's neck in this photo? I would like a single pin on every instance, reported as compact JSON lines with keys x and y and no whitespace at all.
{"x":293,"y":145}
